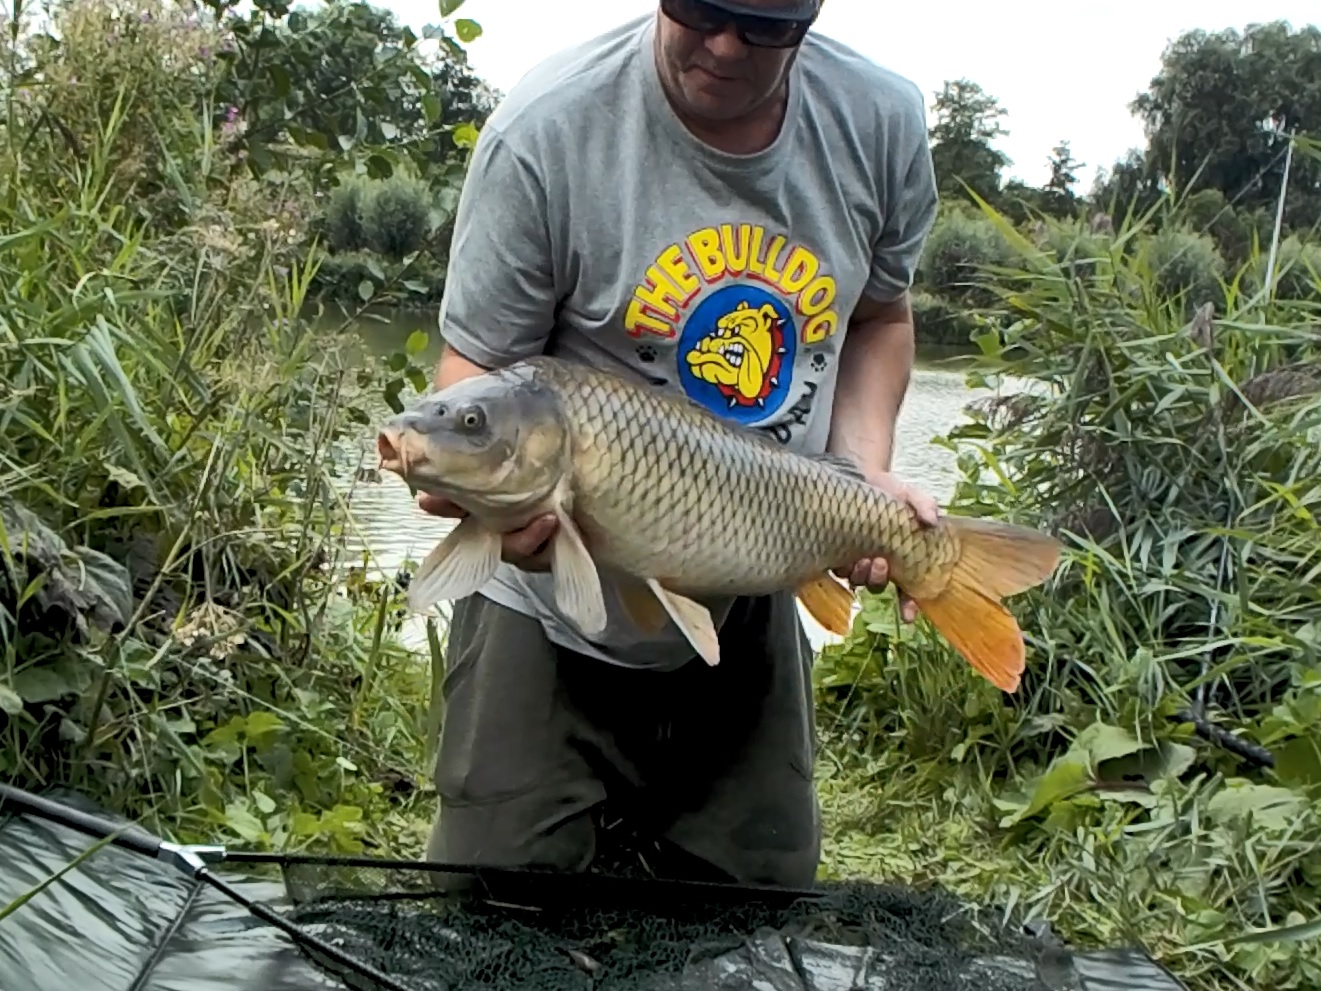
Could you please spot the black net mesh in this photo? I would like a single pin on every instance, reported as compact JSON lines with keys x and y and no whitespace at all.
{"x":849,"y":937}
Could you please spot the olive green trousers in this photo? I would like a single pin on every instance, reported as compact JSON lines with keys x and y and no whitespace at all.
{"x":716,"y":761}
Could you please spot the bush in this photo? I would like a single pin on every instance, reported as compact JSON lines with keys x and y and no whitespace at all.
{"x":1297,"y":270}
{"x":179,"y":641}
{"x":344,"y":212}
{"x":961,"y":244}
{"x":396,"y":216}
{"x":1179,"y":465}
{"x":1183,"y":267}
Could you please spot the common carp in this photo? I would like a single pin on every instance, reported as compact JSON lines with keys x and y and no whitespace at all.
{"x":737,"y":513}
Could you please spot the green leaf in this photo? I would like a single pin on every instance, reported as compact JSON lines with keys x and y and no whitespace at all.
{"x":379,"y":166}
{"x":366,"y":290}
{"x":448,"y":7}
{"x":431,"y":107}
{"x":1268,"y":807}
{"x":262,"y":723}
{"x":1065,"y":778}
{"x":1298,"y":762}
{"x":1101,"y":742}
{"x":467,"y":29}
{"x":124,"y":478}
{"x":64,"y":678}
{"x":1287,"y":934}
{"x":243,"y":822}
{"x":418,"y":379}
{"x":11,"y":703}
{"x":417,"y":342}
{"x":465,"y":135}
{"x":280,"y":78}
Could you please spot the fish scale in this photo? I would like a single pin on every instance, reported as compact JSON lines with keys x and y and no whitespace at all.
{"x":648,"y":485}
{"x":675,"y":493}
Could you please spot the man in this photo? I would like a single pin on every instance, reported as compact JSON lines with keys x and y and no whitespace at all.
{"x":719,"y":203}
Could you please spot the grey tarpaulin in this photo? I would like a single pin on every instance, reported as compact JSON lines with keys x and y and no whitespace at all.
{"x":120,"y":921}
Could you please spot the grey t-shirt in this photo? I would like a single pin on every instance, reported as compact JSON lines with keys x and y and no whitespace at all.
{"x":593,"y":225}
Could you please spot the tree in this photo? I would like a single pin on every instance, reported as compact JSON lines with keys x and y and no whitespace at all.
{"x":346,"y":79}
{"x":1063,"y":170}
{"x":967,"y":121}
{"x":1215,"y":112}
{"x":1057,"y":196}
{"x":1128,"y":184}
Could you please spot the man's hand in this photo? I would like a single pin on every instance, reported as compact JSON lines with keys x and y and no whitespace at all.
{"x":874,"y":573}
{"x":528,"y":548}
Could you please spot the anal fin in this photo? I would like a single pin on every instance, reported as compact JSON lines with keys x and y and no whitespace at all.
{"x":456,"y":567}
{"x":982,"y":630}
{"x":693,"y":618}
{"x":829,"y":602}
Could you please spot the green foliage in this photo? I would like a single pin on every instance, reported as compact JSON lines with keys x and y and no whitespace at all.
{"x":345,"y":82}
{"x":960,"y":246}
{"x":967,"y":121}
{"x":343,"y":222}
{"x":1297,"y":270}
{"x":1178,"y":461}
{"x":395,"y":216}
{"x":179,"y":636}
{"x":1219,"y":111}
{"x":1184,"y":266}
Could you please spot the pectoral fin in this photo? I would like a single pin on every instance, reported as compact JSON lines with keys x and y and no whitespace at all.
{"x":693,"y":618}
{"x":577,"y":582}
{"x":457,"y":566}
{"x":829,"y":603}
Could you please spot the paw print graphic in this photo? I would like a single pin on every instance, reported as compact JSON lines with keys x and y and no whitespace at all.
{"x":647,"y":353}
{"x":819,"y":362}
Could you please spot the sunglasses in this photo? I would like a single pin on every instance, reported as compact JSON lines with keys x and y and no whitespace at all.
{"x":758,"y":30}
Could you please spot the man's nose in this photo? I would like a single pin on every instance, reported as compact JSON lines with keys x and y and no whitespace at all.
{"x":727,"y":44}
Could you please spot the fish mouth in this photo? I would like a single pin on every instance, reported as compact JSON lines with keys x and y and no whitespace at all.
{"x":390,"y":449}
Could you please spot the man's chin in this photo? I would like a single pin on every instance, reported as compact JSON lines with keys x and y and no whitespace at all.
{"x":715,"y":99}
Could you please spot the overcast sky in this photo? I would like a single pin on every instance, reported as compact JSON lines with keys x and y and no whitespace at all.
{"x":1060,"y":70}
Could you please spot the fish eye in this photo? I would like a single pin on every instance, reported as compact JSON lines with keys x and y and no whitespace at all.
{"x":472,"y":418}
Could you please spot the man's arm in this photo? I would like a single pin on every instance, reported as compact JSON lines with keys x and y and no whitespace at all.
{"x":875,"y":365}
{"x":500,"y":293}
{"x":500,"y":288}
{"x":876,"y":359}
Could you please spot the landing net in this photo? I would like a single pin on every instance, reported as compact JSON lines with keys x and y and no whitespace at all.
{"x":850,"y":937}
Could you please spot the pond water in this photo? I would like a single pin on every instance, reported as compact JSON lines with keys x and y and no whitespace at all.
{"x":387,"y":524}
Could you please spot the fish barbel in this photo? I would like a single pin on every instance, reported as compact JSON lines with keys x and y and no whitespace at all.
{"x":673,"y":502}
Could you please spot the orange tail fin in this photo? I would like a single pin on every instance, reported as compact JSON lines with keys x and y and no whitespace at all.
{"x":829,"y":602}
{"x":998,"y":559}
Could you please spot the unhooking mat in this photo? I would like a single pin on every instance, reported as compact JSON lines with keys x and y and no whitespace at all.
{"x":119,"y":921}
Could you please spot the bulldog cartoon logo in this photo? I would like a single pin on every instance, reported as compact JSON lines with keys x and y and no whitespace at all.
{"x":738,"y":302}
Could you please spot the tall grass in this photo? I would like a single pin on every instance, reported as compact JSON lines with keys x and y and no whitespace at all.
{"x":1158,"y":776}
{"x":175,"y":639}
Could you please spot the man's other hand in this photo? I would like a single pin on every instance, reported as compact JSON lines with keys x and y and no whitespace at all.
{"x":527,"y":548}
{"x":873,"y":573}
